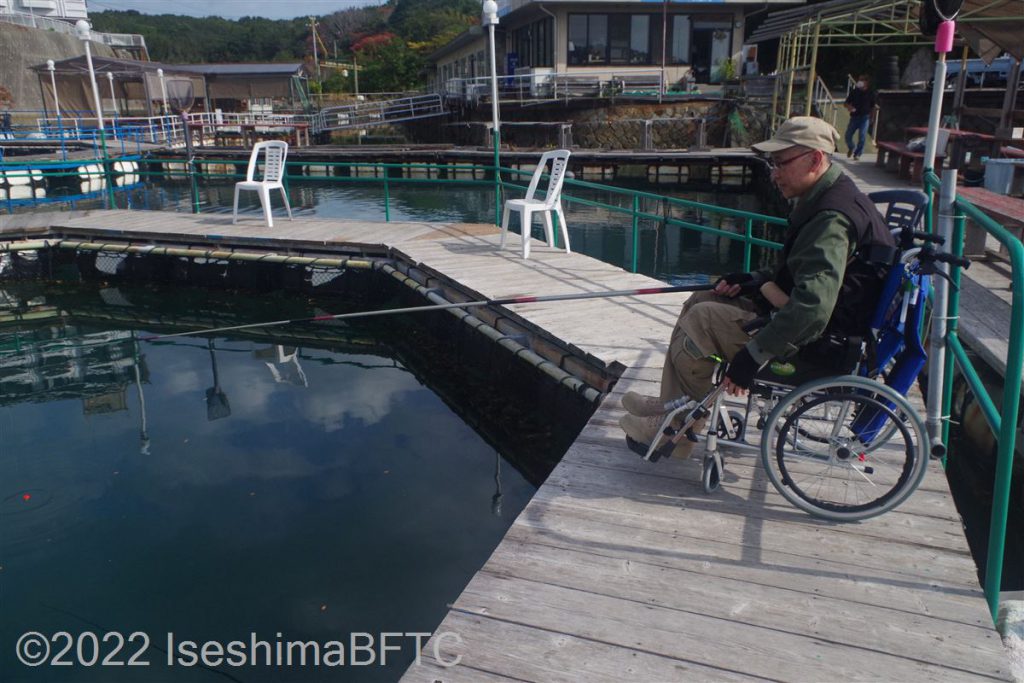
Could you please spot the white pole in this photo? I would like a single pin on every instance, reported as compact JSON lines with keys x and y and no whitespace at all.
{"x":943,"y":44}
{"x":940,"y":302}
{"x":163,"y":90}
{"x":494,"y":80}
{"x":490,"y":18}
{"x":95,"y":88}
{"x":53,"y":84}
{"x":113,"y":98}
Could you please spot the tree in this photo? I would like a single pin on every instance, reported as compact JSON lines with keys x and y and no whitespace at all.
{"x":387,"y":65}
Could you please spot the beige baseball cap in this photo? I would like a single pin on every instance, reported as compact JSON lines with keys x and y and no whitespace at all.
{"x":806,"y":131}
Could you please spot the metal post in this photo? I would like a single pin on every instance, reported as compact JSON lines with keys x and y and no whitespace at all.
{"x":809,"y":109}
{"x":490,"y":19}
{"x":163,"y":92}
{"x":664,"y":48}
{"x":53,"y":84}
{"x":113,"y":98}
{"x":943,"y":44}
{"x":957,"y":248}
{"x":940,"y":304}
{"x":95,"y":88}
{"x":794,"y":48}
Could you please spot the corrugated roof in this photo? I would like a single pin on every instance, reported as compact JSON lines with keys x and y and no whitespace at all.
{"x":273,"y":69}
{"x":991,"y":26}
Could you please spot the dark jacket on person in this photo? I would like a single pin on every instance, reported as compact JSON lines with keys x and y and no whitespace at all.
{"x":863,"y":101}
{"x":835,"y":255}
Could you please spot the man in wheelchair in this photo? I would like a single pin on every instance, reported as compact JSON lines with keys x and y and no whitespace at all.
{"x":836,"y":253}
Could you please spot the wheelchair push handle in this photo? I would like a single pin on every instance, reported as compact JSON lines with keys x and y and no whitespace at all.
{"x":953,"y":260}
{"x":907,"y":236}
{"x":928,"y":257}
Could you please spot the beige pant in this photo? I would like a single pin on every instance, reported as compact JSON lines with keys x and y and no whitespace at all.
{"x":709,"y":325}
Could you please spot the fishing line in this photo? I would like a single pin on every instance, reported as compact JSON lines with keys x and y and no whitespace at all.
{"x":443,"y":307}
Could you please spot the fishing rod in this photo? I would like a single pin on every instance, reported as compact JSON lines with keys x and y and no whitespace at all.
{"x":444,"y":307}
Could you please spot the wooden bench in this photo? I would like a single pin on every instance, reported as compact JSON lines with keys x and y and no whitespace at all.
{"x":1003,"y":209}
{"x":894,"y":156}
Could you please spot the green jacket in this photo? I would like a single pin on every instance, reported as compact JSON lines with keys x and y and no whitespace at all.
{"x":818,"y":263}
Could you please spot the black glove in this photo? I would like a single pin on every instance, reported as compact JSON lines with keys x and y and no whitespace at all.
{"x":748,"y":282}
{"x":742,"y":369}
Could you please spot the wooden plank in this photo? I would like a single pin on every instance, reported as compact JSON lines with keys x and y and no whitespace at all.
{"x":590,"y":595}
{"x":649,"y":608}
{"x":510,"y":649}
{"x":621,"y":569}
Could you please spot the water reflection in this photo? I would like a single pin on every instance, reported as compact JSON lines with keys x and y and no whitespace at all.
{"x":663,"y":251}
{"x":332,"y":492}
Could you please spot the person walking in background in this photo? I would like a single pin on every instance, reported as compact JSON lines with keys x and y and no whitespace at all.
{"x":861,"y":103}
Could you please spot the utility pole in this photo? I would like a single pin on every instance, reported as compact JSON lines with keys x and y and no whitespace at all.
{"x":316,"y":58}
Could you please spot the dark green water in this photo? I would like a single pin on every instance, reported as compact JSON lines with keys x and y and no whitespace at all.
{"x":216,"y":488}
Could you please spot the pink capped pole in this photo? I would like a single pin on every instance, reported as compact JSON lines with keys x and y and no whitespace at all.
{"x":943,"y":44}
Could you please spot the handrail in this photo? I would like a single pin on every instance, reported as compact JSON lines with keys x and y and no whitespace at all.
{"x":1003,"y":426}
{"x":746,"y":220}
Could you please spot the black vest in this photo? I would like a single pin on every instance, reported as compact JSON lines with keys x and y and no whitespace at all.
{"x":874,"y":253}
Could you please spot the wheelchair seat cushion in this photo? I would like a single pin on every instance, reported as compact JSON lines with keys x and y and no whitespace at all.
{"x":827,"y":356}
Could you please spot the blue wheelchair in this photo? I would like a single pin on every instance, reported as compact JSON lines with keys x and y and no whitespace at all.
{"x":838,"y":439}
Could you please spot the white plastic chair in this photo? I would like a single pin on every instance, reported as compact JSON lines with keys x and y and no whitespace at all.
{"x":552,"y":201}
{"x":273,"y":172}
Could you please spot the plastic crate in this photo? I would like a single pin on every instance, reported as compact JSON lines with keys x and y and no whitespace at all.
{"x":999,"y":174}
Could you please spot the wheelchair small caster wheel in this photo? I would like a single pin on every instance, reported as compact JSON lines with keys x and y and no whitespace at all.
{"x":711,"y":472}
{"x":736,"y":422}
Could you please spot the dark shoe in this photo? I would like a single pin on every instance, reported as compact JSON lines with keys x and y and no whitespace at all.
{"x":856,"y":157}
{"x":849,"y":153}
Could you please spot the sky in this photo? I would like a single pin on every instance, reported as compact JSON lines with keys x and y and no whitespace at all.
{"x":232,"y":9}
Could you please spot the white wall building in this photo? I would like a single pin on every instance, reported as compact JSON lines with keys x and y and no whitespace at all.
{"x":634,"y":41}
{"x":57,"y":9}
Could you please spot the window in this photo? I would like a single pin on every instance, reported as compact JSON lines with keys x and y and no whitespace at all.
{"x":533,"y":44}
{"x":640,"y":39}
{"x":609,"y":39}
{"x":679,"y":47}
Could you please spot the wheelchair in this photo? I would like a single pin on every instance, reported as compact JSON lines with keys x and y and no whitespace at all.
{"x":838,"y":437}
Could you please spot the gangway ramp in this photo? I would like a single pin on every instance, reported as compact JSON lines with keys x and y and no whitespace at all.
{"x":378,"y":113}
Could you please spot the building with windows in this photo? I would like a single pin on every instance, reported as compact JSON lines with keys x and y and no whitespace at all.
{"x":583,"y":44}
{"x":55,"y":9}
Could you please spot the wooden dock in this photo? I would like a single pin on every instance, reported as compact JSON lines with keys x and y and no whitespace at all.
{"x":620,"y":569}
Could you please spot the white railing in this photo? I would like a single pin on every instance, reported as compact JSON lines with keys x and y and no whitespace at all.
{"x":62,"y":26}
{"x":543,"y":85}
{"x":166,"y":130}
{"x":368,"y":114}
{"x":824,"y":101}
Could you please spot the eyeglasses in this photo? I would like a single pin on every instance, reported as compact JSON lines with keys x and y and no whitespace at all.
{"x":775,"y":163}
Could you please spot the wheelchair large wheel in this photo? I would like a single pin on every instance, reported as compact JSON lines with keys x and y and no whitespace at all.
{"x":844,"y":448}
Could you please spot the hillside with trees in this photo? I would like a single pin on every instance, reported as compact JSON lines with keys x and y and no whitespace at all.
{"x":389,"y":41}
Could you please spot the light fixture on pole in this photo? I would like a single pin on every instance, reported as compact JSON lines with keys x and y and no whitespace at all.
{"x":490,"y":20}
{"x":84,"y":32}
{"x":51,"y":67}
{"x":113,"y":98}
{"x":163,"y":91}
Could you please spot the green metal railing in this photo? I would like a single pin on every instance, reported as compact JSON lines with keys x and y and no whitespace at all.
{"x":749,"y":218}
{"x":390,"y":174}
{"x":1003,"y":426}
